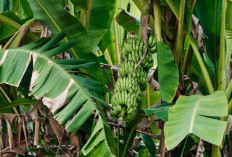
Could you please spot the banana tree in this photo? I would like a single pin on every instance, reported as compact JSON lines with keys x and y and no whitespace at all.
{"x":186,"y":105}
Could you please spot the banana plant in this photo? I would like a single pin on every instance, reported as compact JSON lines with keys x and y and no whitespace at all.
{"x":71,"y":97}
{"x":186,"y":56}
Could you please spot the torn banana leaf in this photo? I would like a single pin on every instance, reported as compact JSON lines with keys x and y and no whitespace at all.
{"x":71,"y":103}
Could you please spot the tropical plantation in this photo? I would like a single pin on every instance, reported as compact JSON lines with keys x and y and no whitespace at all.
{"x":115,"y":78}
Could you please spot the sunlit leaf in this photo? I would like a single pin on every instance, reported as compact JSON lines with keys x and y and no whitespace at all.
{"x":168,"y":75}
{"x":101,"y":142}
{"x":71,"y":103}
{"x":193,"y":114}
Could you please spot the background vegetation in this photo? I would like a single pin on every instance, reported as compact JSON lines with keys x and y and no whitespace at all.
{"x":59,"y":61}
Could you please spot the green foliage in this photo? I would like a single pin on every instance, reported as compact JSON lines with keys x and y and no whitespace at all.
{"x":81,"y":4}
{"x":228,"y":35}
{"x":46,"y":75}
{"x":211,"y":24}
{"x":6,"y":5}
{"x":101,"y":141}
{"x":161,"y":112}
{"x":167,"y":72}
{"x":101,"y":15}
{"x":149,"y":143}
{"x":59,"y":20}
{"x":193,"y":114}
{"x":72,"y":91}
{"x":129,"y":22}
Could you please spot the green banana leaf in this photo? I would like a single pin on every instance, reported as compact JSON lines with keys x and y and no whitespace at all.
{"x":81,"y":4}
{"x":194,"y":114}
{"x":209,"y":14}
{"x":6,"y":106}
{"x":168,"y":75}
{"x":228,"y":34}
{"x":6,"y":5}
{"x":128,"y":21}
{"x":149,"y":144}
{"x":101,"y":142}
{"x":160,"y":112}
{"x":58,"y":20}
{"x":67,"y":99}
{"x":101,"y":16}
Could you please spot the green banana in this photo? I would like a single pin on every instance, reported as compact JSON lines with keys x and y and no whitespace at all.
{"x":127,"y":97}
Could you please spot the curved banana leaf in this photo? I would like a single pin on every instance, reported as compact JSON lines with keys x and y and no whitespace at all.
{"x":160,"y":112}
{"x":149,"y":144}
{"x":101,"y":15}
{"x":192,"y":114}
{"x":12,"y":23}
{"x":4,"y":106}
{"x":128,"y":21}
{"x":209,"y":14}
{"x":101,"y":142}
{"x":81,"y":4}
{"x":71,"y":103}
{"x":168,"y":75}
{"x":58,"y":20}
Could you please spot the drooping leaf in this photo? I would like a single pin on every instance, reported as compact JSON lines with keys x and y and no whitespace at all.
{"x":129,"y":22}
{"x":149,"y":144}
{"x":81,"y":4}
{"x":71,"y":103}
{"x":12,"y":23}
{"x":150,"y":98}
{"x":90,"y":84}
{"x":192,"y":114}
{"x":168,"y":75}
{"x":6,"y":32}
{"x":101,"y":15}
{"x":101,"y":142}
{"x":5,"y":106}
{"x":209,"y":14}
{"x":159,"y":112}
{"x":58,"y":20}
{"x":106,"y":41}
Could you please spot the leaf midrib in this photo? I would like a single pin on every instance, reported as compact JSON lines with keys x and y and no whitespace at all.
{"x":57,"y":26}
{"x":57,"y":66}
{"x":194,"y":115}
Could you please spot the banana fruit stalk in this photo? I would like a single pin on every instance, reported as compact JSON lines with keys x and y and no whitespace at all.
{"x":129,"y":88}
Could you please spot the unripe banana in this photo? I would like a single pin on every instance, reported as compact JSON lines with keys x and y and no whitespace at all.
{"x":128,"y":89}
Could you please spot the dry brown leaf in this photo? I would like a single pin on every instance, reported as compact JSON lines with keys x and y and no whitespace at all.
{"x":9,"y":118}
{"x":36,"y":131}
{"x":74,"y":140}
{"x":24,"y":131}
{"x":57,"y":128}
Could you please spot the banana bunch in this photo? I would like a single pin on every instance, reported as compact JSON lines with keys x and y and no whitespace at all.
{"x":131,"y":83}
